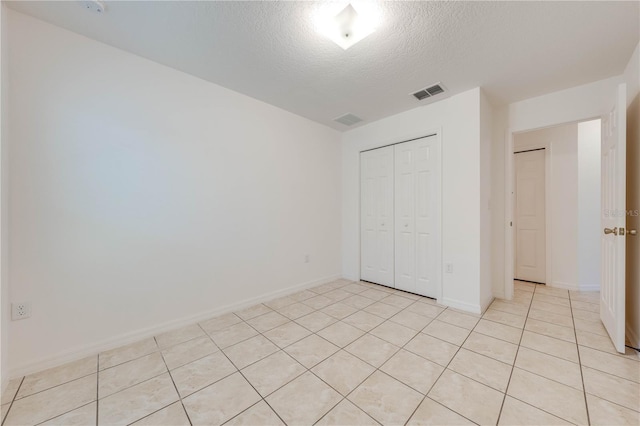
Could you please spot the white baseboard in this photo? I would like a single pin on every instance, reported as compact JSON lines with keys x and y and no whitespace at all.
{"x":632,"y":336}
{"x":589,"y":287}
{"x":83,"y":351}
{"x":564,"y":286}
{"x":463,"y":306}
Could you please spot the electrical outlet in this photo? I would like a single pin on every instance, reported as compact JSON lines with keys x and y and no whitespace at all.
{"x":306,"y":258}
{"x":20,"y":310}
{"x":448,"y":268}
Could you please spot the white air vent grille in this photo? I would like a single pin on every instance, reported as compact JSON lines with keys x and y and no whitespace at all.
{"x":430,"y":91}
{"x":348,"y":119}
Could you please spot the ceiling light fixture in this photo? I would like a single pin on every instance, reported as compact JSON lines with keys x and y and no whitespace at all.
{"x":349,"y":26}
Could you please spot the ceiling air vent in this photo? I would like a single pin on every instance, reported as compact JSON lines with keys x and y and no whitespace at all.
{"x":434,"y":90}
{"x":348,"y":119}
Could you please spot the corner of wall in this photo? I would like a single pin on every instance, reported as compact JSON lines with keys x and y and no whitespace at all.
{"x":4,"y":286}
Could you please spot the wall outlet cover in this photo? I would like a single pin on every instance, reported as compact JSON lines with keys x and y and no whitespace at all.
{"x":20,"y":310}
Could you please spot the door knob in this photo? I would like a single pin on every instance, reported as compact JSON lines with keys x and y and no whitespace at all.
{"x":632,"y":232}
{"x":613,"y":231}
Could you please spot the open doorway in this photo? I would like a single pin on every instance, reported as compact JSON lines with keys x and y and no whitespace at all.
{"x":556,"y":206}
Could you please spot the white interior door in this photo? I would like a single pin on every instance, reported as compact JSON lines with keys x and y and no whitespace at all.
{"x":530,"y":256}
{"x":417,"y":216}
{"x":612,"y":290}
{"x":376,"y":211}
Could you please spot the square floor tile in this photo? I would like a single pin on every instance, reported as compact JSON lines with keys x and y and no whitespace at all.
{"x":433,"y":413}
{"x":280,"y":302}
{"x":608,"y":363}
{"x":602,"y":412}
{"x":551,"y":330}
{"x":612,"y":388}
{"x":10,"y":391}
{"x":412,"y":370}
{"x":343,"y":371}
{"x":491,"y":347}
{"x":339,"y":310}
{"x":186,"y":352}
{"x":52,"y":402}
{"x":233,"y":334}
{"x":53,"y":377}
{"x":318,"y":302}
{"x":499,"y":331}
{"x":458,"y":319}
{"x":316,"y":321}
{"x":268,"y":321}
{"x":272,"y":372}
{"x":425,"y":309}
{"x":549,"y":366}
{"x":551,"y":307}
{"x":340,"y":333}
{"x":358,"y":302}
{"x":287,"y":334}
{"x":311,"y":350}
{"x":433,"y":349}
{"x":85,"y":415}
{"x":364,"y":320}
{"x":372,"y":349}
{"x":374,"y":294}
{"x":127,"y":353}
{"x":552,"y":300}
{"x":550,"y":345}
{"x":397,"y":301}
{"x":296,"y":310}
{"x":173,"y":415}
{"x":481,"y":368}
{"x":516,"y":412}
{"x":447,"y":332}
{"x":137,"y":401}
{"x":250,"y":351}
{"x":555,"y":398}
{"x":509,"y":307}
{"x":196,"y":375}
{"x":258,"y":414}
{"x":411,"y":319}
{"x":221,"y":401}
{"x":504,"y":318}
{"x":473,"y":400}
{"x":302,"y":295}
{"x":304,"y":400}
{"x":394,"y":333}
{"x":337,"y":295}
{"x":347,"y":414}
{"x":130,"y":373}
{"x":386,"y":399}
{"x":382,"y":310}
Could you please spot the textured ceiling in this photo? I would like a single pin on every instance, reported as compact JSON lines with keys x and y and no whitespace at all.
{"x":271,"y":50}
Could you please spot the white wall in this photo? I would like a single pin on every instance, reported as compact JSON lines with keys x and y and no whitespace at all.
{"x":561,"y":157}
{"x":458,"y":120}
{"x":142,"y":197}
{"x":632,"y":78}
{"x":589,"y":205}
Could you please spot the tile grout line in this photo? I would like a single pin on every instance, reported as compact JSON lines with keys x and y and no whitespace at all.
{"x":584,"y":388}
{"x":515,"y":358}
{"x":6,"y":416}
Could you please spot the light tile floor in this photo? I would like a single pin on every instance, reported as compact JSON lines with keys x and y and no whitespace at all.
{"x":348,"y":353}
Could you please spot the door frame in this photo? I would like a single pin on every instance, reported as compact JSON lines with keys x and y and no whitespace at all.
{"x":408,"y":138}
{"x":509,"y":205}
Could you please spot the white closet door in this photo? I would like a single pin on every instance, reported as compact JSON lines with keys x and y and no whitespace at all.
{"x":405,"y":238}
{"x":417,"y":210}
{"x":427,"y":216}
{"x":376,"y":211}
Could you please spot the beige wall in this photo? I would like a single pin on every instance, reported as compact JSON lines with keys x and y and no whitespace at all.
{"x":632,"y":78}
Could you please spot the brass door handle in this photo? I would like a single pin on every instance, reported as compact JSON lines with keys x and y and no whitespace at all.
{"x":632,"y":232}
{"x":613,"y":231}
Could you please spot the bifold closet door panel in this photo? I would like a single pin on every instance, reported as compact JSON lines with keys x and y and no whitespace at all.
{"x":427,"y":216}
{"x":376,"y":216}
{"x":405,"y":237}
{"x":417,"y":224}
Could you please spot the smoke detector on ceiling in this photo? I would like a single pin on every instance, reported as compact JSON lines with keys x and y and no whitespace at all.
{"x":429,"y":92}
{"x":348,"y":119}
{"x":95,"y":6}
